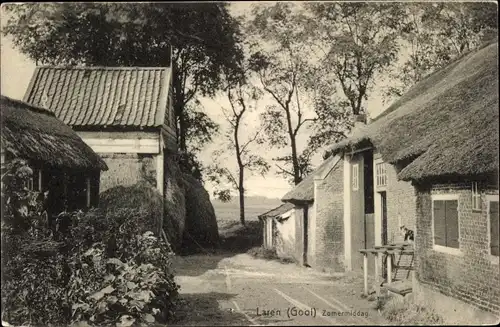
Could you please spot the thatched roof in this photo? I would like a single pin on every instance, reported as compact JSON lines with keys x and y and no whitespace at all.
{"x":34,"y":133}
{"x":103,"y":96}
{"x":445,"y":125}
{"x":304,"y":191}
{"x":285,"y":207}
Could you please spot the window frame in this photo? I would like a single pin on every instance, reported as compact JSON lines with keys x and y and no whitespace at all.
{"x":355,"y":168}
{"x":382,"y":176}
{"x":441,"y":248}
{"x":475,"y":197}
{"x":491,"y":198}
{"x":29,"y":184}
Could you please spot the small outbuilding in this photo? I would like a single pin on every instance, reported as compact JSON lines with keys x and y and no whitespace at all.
{"x":62,"y":163}
{"x":318,"y":215}
{"x":123,"y":113}
{"x":278,"y":226}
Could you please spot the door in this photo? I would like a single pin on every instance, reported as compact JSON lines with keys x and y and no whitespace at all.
{"x":306,"y":241}
{"x":383,"y":196}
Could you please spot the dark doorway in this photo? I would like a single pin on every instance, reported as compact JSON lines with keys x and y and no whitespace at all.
{"x":368,"y":182}
{"x":383,"y":196}
{"x":306,"y":228}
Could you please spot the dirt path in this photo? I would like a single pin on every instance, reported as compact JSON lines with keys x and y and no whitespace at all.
{"x":227,"y":289}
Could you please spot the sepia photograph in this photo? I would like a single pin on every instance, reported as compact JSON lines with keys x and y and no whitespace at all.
{"x":241,"y":163}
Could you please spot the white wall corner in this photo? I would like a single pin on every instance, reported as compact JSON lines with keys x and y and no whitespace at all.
{"x":377,"y":205}
{"x":347,"y":213}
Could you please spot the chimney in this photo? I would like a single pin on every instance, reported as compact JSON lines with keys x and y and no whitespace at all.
{"x":359,"y":120}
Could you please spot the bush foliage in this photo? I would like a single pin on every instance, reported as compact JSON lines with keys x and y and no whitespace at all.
{"x":100,"y":267}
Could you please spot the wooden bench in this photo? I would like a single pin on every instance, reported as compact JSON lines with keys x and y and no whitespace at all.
{"x":399,"y":287}
{"x":389,"y":250}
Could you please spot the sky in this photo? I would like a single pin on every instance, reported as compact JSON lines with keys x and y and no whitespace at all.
{"x":17,"y":69}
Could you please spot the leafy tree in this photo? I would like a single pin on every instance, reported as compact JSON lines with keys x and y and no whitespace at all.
{"x":280,"y":65}
{"x":243,"y":99}
{"x":357,"y":41}
{"x":437,"y":33}
{"x":199,"y":40}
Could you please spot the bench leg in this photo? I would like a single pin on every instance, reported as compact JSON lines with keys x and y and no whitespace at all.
{"x":377,"y":284}
{"x":365,"y":273}
{"x":389,"y":269}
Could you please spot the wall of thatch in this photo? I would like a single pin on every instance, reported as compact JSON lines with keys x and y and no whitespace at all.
{"x":175,"y":206}
{"x":201,"y":223}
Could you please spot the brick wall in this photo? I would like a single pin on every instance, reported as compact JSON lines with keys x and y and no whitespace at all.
{"x":401,"y":205}
{"x":127,"y":169}
{"x":471,"y":276}
{"x":329,"y":203}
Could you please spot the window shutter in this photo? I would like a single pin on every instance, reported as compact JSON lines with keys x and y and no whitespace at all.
{"x":452,"y":224}
{"x":439,"y":223}
{"x":494,"y":227}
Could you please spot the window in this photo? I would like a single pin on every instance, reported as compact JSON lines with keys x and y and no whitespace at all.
{"x":35,"y":181}
{"x":445,"y":222}
{"x":381,"y":174}
{"x":493,"y":226}
{"x":355,"y":177}
{"x":29,"y":184}
{"x":476,"y":197}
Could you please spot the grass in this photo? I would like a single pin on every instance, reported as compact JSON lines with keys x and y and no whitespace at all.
{"x":404,"y":311}
{"x":268,"y":254}
{"x":238,"y":238}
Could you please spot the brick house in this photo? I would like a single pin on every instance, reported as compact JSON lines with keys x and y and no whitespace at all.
{"x":61,"y":162}
{"x":123,"y":113}
{"x":375,"y":204}
{"x":315,"y":236}
{"x":439,"y":142}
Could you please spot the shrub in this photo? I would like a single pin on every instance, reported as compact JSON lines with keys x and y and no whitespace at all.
{"x":138,"y":196}
{"x":403,"y":311}
{"x":107,"y":291}
{"x":33,"y":270}
{"x":102,"y":266}
{"x":118,"y":276}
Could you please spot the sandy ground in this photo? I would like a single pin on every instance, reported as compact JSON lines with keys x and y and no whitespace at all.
{"x":238,"y":289}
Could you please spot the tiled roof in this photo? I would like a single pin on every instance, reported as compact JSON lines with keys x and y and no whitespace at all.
{"x":285,"y":207}
{"x":102,"y":96}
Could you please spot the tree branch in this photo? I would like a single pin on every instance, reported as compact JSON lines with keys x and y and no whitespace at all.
{"x":285,"y":171}
{"x":231,"y":178}
{"x":251,"y":140}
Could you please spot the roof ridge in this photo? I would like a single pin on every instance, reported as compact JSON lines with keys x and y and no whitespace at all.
{"x":101,"y":67}
{"x":447,"y":66}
